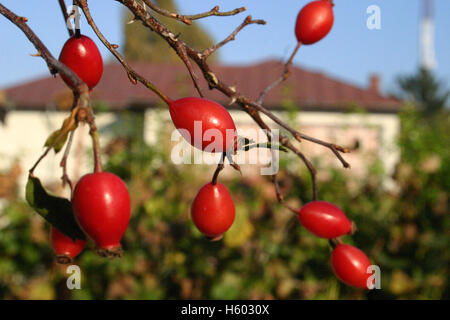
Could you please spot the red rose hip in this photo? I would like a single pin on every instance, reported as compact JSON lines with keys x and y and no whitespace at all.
{"x":65,"y":248}
{"x":324,"y":219}
{"x":82,"y":56}
{"x":350,"y":265}
{"x":101,"y":204}
{"x":213,"y":210}
{"x":314,"y":21}
{"x":203,"y":123}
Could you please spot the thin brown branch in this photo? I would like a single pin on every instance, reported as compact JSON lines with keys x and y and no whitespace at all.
{"x":187,"y":19}
{"x":285,"y":142}
{"x":309,"y":166}
{"x":80,"y":89}
{"x":63,"y":7}
{"x":167,"y":13}
{"x":220,"y":167}
{"x":132,"y":74}
{"x":251,"y":107}
{"x":215,"y":12}
{"x":63,"y":164}
{"x":187,"y":62}
{"x":31,"y":171}
{"x":297,"y":135}
{"x":207,"y":52}
{"x":213,"y":82}
{"x":54,"y":65}
{"x":233,"y":164}
{"x":283,"y":77}
{"x":93,"y":132}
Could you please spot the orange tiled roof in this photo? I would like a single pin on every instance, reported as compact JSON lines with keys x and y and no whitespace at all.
{"x":309,"y":90}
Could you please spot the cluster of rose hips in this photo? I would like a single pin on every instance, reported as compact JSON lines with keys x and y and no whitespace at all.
{"x":321,"y":218}
{"x":101,"y":203}
{"x":325,"y":220}
{"x":100,"y":200}
{"x":213,"y":209}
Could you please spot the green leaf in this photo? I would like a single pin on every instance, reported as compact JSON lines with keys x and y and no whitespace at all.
{"x":57,"y":211}
{"x":57,"y":140}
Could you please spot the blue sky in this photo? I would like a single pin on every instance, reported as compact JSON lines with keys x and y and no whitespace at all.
{"x":350,"y":52}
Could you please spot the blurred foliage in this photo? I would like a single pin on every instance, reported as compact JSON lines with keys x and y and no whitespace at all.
{"x":427,"y":93}
{"x":266,"y":254}
{"x":141,"y":44}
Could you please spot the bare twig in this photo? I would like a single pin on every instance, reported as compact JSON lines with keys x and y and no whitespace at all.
{"x":80,"y":89}
{"x":207,"y":52}
{"x":63,"y":164}
{"x":95,"y":144}
{"x":187,"y":19}
{"x":214,"y":82}
{"x":251,"y":107}
{"x":220,"y":167}
{"x":309,"y":166}
{"x":285,"y":142}
{"x":215,"y":12}
{"x":283,"y":77}
{"x":187,"y":62}
{"x":297,"y":135}
{"x":132,"y":75}
{"x":233,"y":164}
{"x":167,"y":13}
{"x":63,"y":7}
{"x":54,"y":65}
{"x":81,"y":103}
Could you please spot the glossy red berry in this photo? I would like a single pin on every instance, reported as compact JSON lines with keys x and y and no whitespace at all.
{"x":65,"y":248}
{"x":324,"y":219}
{"x":101,"y":205}
{"x":213,"y":210}
{"x":314,"y":21}
{"x":203,"y":123}
{"x":350,"y":265}
{"x":82,"y":56}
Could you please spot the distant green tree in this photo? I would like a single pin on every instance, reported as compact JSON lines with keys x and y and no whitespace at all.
{"x":265,"y":254}
{"x":425,"y":91}
{"x":141,"y":44}
{"x":425,"y":120}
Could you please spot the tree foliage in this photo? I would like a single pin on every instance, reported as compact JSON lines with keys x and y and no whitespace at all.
{"x":141,"y":44}
{"x":425,"y":91}
{"x":266,"y":254}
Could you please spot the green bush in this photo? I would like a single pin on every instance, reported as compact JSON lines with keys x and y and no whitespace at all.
{"x":266,"y":254}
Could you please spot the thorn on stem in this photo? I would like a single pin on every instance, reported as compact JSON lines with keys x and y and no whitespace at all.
{"x":233,"y":100}
{"x":236,"y":167}
{"x":132,"y":79}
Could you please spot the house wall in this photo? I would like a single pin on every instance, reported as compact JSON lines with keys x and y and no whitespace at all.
{"x":24,"y":133}
{"x":22,"y":139}
{"x":375,"y":133}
